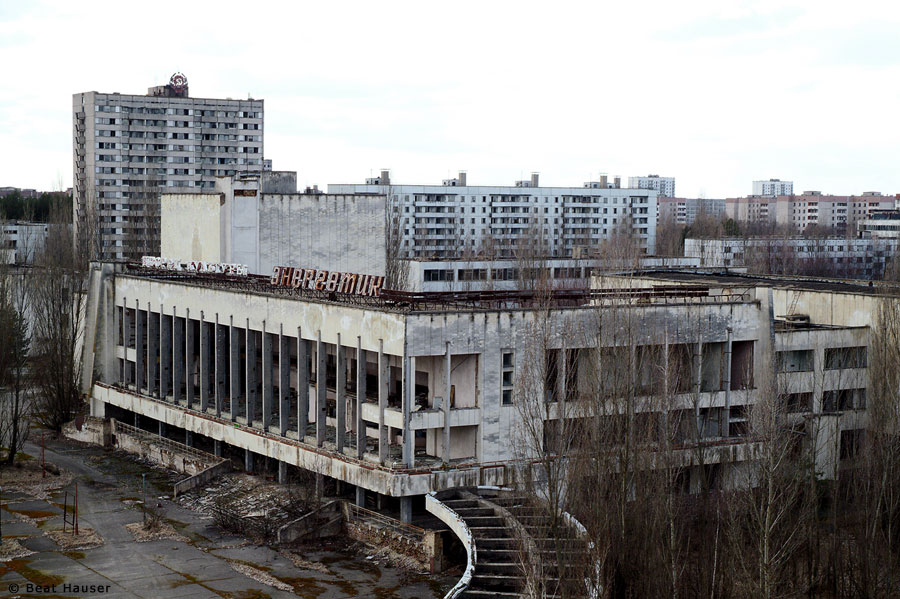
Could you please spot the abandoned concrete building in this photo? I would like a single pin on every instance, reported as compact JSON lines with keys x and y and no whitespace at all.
{"x":407,"y":393}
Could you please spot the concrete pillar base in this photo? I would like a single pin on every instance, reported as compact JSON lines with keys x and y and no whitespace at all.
{"x":320,"y":485}
{"x":282,"y":472}
{"x":248,"y":460}
{"x":189,"y":438}
{"x":360,"y":497}
{"x":218,"y":447}
{"x":406,"y":509}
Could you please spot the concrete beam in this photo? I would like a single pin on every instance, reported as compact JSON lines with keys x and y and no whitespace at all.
{"x":340,"y":394}
{"x":234,"y":365}
{"x":406,"y":510}
{"x":360,"y":398}
{"x":177,"y":356}
{"x":205,"y":364}
{"x":302,"y":385}
{"x":445,"y":407}
{"x":321,"y":390}
{"x":140,"y":354}
{"x":152,"y":352}
{"x":165,"y":354}
{"x":221,"y":352}
{"x":409,"y":396}
{"x":252,"y":394}
{"x":189,"y":390}
{"x":384,"y":373}
{"x":268,"y":378}
{"x":284,"y":383}
{"x":126,"y":342}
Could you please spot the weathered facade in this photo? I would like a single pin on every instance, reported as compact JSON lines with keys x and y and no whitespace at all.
{"x":403,"y":398}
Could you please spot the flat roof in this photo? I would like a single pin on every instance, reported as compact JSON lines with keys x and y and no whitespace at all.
{"x":728,"y":278}
{"x":408,"y":302}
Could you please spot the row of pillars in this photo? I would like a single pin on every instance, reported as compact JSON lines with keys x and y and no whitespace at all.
{"x":218,"y":449}
{"x":166,"y":367}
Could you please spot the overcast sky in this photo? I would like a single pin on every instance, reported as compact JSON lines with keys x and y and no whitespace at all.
{"x":716,"y":93}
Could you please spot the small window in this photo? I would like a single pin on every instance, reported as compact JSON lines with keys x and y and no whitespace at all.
{"x":507,"y":380}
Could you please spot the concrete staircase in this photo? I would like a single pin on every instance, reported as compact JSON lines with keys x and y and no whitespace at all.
{"x":511,"y":534}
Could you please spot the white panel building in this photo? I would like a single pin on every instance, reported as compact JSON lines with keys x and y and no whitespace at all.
{"x":773,"y":187}
{"x":664,"y":186}
{"x":440,"y":221}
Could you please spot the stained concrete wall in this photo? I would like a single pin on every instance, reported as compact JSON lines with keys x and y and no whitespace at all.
{"x":192,"y":226}
{"x":331,"y":232}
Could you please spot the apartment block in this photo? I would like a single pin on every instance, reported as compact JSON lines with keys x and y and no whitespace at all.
{"x":773,"y":187}
{"x":809,"y":209}
{"x":664,"y":186}
{"x":127,"y":149}
{"x":455,"y":218}
{"x":684,"y":211}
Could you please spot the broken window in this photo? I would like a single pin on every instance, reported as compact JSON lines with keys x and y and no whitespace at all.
{"x":741,"y":365}
{"x":845,"y":357}
{"x":798,"y":402}
{"x":794,"y":361}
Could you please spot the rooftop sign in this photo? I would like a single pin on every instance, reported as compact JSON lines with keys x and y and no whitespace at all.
{"x":200,"y":266}
{"x":323,"y":280}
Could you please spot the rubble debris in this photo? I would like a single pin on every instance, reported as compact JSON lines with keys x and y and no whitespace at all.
{"x":26,"y":478}
{"x":160,"y":530}
{"x":87,"y":538}
{"x":11,"y":549}
{"x":305,"y":564}
{"x":259,"y":576}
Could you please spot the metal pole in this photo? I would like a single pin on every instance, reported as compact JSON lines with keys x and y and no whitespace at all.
{"x":43,"y":468}
{"x":65,"y":510}
{"x":76,"y":508}
{"x":1,"y":519}
{"x":144,"y":496}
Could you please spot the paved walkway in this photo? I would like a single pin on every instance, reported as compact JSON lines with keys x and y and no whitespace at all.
{"x":203,"y":567}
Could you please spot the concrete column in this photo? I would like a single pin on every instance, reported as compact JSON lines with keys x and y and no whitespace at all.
{"x":189,"y":359}
{"x":726,"y":412}
{"x":152,"y":352}
{"x":177,"y":356}
{"x":140,"y":356}
{"x":302,"y":385}
{"x":320,"y":485}
{"x":268,"y":379}
{"x":360,"y":496}
{"x":188,"y":438}
{"x":360,"y":399}
{"x":406,"y":509}
{"x":409,"y":396}
{"x":321,"y":391}
{"x":698,"y":383}
{"x":218,"y":447}
{"x":221,"y":364}
{"x":384,"y":373}
{"x":165,"y":354}
{"x":445,"y":407}
{"x":340,"y":395}
{"x":251,"y":395}
{"x":234,"y":365}
{"x":205,"y":364}
{"x":162,"y":428}
{"x":248,"y":460}
{"x":282,"y":472}
{"x":284,"y":382}
{"x":126,"y":339}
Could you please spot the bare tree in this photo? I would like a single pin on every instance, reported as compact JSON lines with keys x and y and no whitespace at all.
{"x":396,"y":258}
{"x":58,"y":301}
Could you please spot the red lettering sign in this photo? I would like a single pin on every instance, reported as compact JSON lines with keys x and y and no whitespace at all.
{"x":347,"y":283}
